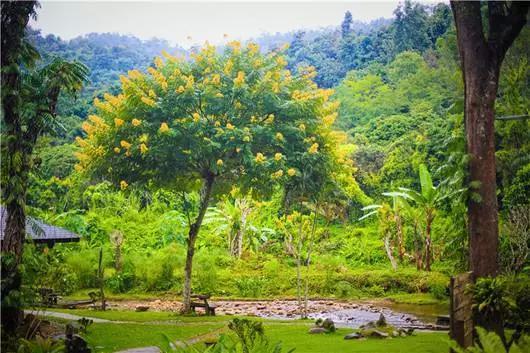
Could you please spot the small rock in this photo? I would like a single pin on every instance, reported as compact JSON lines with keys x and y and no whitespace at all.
{"x":353,"y":336}
{"x":378,"y":334}
{"x":317,"y":330}
{"x":381,"y":322}
{"x":141,"y":308}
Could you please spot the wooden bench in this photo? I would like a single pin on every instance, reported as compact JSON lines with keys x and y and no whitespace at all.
{"x":48,"y":296}
{"x":203,"y":303}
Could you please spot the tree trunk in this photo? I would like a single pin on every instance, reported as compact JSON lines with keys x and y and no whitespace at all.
{"x":481,"y":59}
{"x":388,"y":249}
{"x":399,"y":226}
{"x":15,"y":17}
{"x":428,"y":242}
{"x":417,"y":247}
{"x":206,"y":192}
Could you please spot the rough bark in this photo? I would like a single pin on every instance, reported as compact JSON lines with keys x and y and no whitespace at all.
{"x":388,"y":248}
{"x":15,"y":17}
{"x":206,"y":192}
{"x":481,"y":59}
{"x":428,"y":242}
{"x":399,"y":226}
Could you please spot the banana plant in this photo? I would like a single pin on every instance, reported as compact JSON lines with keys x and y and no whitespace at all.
{"x":391,"y":214}
{"x":428,"y":200}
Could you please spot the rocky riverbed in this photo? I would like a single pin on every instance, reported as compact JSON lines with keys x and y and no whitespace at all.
{"x":344,"y":313}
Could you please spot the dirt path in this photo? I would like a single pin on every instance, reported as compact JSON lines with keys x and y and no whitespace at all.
{"x":72,"y":317}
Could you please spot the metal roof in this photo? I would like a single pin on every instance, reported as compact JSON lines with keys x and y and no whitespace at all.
{"x":39,"y":231}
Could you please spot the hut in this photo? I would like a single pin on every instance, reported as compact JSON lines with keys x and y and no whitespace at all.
{"x":40,"y":232}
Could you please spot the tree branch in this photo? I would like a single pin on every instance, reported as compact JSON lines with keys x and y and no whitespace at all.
{"x":505,"y":24}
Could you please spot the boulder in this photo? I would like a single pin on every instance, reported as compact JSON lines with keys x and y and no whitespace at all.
{"x":328,"y":325}
{"x":381,"y":322}
{"x":141,"y":308}
{"x":353,"y":336}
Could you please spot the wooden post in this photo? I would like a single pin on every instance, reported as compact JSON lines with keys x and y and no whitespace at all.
{"x":461,"y":313}
{"x":101,"y":280}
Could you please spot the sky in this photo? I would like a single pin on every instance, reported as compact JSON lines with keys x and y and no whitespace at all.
{"x":200,"y":20}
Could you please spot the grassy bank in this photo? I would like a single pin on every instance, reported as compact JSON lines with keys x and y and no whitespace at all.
{"x":152,"y":329}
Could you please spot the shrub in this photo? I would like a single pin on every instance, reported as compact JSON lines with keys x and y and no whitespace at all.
{"x":84,"y":264}
{"x":343,"y":289}
{"x":249,"y":287}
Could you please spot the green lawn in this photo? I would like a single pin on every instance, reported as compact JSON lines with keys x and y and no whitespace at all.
{"x":110,"y":337}
{"x":149,"y":329}
{"x":296,"y":336}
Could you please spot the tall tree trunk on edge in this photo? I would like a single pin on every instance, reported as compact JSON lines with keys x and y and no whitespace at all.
{"x":481,"y":59}
{"x":206,"y":192}
{"x":15,"y":17}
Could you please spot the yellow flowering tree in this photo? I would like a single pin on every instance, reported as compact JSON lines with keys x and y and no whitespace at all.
{"x":216,"y":120}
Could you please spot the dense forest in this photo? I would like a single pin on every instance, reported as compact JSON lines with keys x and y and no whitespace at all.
{"x":397,"y":91}
{"x":373,"y":177}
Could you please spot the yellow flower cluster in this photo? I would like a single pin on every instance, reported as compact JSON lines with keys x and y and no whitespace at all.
{"x":235,"y":45}
{"x":190,"y":81}
{"x":196,"y":117}
{"x":301,"y":127}
{"x":125,"y":144}
{"x":105,"y":106}
{"x":302,"y":96}
{"x":136,"y":122}
{"x":135,"y":74}
{"x":270,"y":119}
{"x":216,"y":79}
{"x":279,"y":136}
{"x":117,"y":150}
{"x":253,"y":48}
{"x":260,"y":158}
{"x":280,"y":60}
{"x":240,"y":79}
{"x":329,"y":119}
{"x":163,"y":128}
{"x":229,"y":126}
{"x":277,"y":174}
{"x":278,"y":156}
{"x":123,"y":185}
{"x":81,"y":142}
{"x":159,"y":77}
{"x":148,"y":101}
{"x":143,"y":148}
{"x":291,"y":172}
{"x":113,"y":100}
{"x":118,"y":122}
{"x":159,"y":62}
{"x":220,"y":163}
{"x":313,"y":149}
{"x":228,"y":67}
